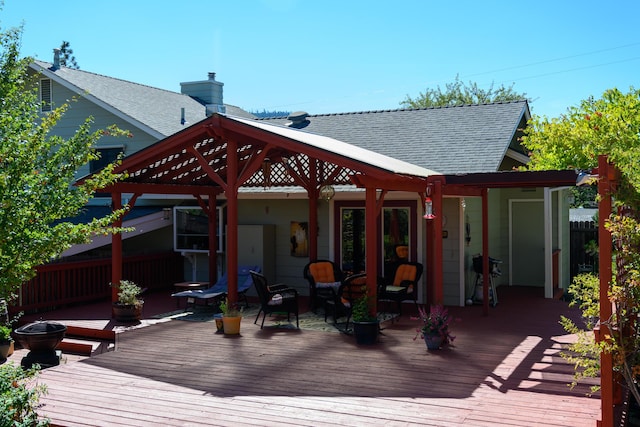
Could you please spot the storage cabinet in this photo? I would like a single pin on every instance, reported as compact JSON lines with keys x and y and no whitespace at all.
{"x":257,"y":246}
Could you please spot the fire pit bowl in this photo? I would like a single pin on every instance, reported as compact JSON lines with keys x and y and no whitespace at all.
{"x":40,"y":336}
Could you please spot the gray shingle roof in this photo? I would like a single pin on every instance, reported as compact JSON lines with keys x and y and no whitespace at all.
{"x":463,"y":139}
{"x":157,"y":109}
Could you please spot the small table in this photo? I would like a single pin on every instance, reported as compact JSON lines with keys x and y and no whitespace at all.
{"x":189,"y":286}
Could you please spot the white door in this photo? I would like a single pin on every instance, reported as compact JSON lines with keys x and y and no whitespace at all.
{"x":527,"y":243}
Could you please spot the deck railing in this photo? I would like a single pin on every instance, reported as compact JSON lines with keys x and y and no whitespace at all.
{"x":61,"y":284}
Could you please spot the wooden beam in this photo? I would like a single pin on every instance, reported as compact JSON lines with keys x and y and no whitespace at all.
{"x":390,"y":182}
{"x":161,"y":188}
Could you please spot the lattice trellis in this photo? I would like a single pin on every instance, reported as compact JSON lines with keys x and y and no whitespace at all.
{"x":284,"y":168}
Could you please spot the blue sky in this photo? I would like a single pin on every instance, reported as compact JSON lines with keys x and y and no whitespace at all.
{"x":343,"y":56}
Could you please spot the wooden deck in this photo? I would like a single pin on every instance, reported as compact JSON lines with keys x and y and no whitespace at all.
{"x":504,"y":369}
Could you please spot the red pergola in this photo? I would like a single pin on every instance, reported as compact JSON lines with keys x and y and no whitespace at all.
{"x":221,"y":154}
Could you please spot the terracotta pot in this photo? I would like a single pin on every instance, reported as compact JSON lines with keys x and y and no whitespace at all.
{"x":231,"y":325}
{"x":5,"y":349}
{"x":127,"y":312}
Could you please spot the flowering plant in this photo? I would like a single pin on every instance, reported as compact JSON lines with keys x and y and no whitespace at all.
{"x":435,"y":322}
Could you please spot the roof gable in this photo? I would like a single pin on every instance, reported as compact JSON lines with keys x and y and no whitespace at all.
{"x":157,"y":111}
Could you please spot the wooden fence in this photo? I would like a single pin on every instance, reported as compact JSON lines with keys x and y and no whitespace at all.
{"x":62,"y":284}
{"x":582,"y":232}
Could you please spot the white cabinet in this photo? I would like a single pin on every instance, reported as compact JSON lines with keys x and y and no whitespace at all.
{"x":257,"y":246}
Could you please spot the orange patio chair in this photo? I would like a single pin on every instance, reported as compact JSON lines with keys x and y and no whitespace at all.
{"x":403,"y":286}
{"x":324,"y":279}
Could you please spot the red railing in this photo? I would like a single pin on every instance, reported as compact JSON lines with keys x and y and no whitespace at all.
{"x":62,"y":284}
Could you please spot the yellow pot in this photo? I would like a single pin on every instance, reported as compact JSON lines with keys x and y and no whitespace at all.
{"x":231,"y":325}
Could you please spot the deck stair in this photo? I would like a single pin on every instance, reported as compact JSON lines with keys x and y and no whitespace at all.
{"x":87,"y":341}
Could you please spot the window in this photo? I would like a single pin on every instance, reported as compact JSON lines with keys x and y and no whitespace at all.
{"x":396,"y":236}
{"x":107,"y":155}
{"x":191,"y":229}
{"x":45,"y":95}
{"x":397,"y":227}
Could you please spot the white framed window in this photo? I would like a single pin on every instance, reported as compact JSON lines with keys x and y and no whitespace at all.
{"x":191,"y":229}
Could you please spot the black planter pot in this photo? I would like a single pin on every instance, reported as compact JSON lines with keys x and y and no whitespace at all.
{"x":366,"y":332}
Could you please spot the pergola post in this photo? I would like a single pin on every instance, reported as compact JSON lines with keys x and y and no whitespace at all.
{"x":116,"y":249}
{"x":313,"y":225}
{"x":438,"y":271}
{"x":486,"y":274}
{"x":213,"y":240}
{"x":604,"y":264}
{"x":371,"y":247}
{"x":232,"y":221}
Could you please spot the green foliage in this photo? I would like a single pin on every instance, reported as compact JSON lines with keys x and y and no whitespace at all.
{"x":37,"y":173}
{"x":129,"y":293}
{"x":5,"y":334}
{"x":66,"y":56}
{"x":459,"y":93}
{"x":229,"y":310}
{"x":609,"y":125}
{"x":19,"y":395}
{"x":584,"y":353}
{"x":360,"y":309}
{"x":606,"y":126}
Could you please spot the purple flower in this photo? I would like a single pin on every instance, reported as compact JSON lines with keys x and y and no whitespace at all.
{"x":436,"y":321}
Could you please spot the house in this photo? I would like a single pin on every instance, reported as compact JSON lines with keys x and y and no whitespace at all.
{"x":526,"y":230}
{"x":149,"y":114}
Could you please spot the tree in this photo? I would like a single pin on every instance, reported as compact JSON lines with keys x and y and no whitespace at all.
{"x":459,"y":93}
{"x":66,"y":56}
{"x":606,"y":126}
{"x":37,"y":174}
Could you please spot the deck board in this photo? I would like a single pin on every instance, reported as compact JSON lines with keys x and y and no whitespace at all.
{"x":504,"y":369}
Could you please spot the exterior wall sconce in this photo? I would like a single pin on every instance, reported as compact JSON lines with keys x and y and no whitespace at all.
{"x":166,"y":214}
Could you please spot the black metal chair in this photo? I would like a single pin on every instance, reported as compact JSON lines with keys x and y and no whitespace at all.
{"x":403,"y":286}
{"x":353,"y":288}
{"x":328,"y":274}
{"x":274,"y":299}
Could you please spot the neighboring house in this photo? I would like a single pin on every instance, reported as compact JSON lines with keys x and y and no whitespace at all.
{"x":525,"y":224}
{"x":149,"y":114}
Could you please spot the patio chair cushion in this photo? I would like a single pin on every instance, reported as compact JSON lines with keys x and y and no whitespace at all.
{"x":322,"y":272}
{"x":405,"y":272}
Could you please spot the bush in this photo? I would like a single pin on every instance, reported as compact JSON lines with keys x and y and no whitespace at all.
{"x":19,"y":395}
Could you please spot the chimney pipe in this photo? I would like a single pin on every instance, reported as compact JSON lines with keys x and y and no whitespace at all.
{"x":56,"y":58}
{"x":212,"y":76}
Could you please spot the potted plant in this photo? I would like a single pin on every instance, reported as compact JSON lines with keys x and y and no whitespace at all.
{"x":365,"y":326}
{"x":6,"y":342}
{"x":231,"y":318}
{"x":435,"y":327}
{"x":128,"y":308}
